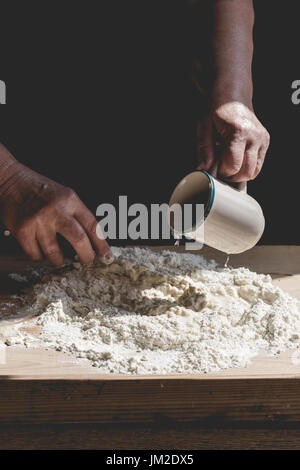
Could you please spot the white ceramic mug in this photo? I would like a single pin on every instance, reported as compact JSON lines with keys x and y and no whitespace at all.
{"x":233,"y":221}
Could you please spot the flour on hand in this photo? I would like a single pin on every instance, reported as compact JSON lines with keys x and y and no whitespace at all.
{"x":158,"y":313}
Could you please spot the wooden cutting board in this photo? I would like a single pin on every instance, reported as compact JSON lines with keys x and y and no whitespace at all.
{"x":40,"y":386}
{"x":282,"y":262}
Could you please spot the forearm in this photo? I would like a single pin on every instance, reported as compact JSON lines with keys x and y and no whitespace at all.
{"x":233,"y":51}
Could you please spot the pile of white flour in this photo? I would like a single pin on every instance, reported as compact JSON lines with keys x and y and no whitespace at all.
{"x":161,"y":313}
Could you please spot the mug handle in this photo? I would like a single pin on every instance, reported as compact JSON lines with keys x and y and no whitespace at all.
{"x":239,"y":186}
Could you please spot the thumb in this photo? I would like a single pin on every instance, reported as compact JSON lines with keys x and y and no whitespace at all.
{"x":205,"y":146}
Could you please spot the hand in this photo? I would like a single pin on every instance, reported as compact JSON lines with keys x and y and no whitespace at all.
{"x":35,"y":208}
{"x":243,"y":142}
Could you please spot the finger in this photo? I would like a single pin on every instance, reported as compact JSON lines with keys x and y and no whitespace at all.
{"x":231,"y":158}
{"x":26,"y":236}
{"x":260,"y":161}
{"x":247,"y":171}
{"x":31,"y":248}
{"x":205,"y":147}
{"x":72,"y":231}
{"x":90,"y":224}
{"x":48,"y":243}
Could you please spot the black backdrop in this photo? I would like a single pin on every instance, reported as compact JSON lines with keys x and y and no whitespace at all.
{"x":276,"y":66}
{"x":99,"y":97}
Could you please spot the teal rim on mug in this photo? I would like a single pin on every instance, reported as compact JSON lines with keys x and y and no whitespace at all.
{"x":208,"y":203}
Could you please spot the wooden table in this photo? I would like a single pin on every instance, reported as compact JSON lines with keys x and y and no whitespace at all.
{"x":49,"y":402}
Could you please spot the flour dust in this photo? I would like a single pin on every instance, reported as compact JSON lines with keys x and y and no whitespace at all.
{"x":159,"y":312}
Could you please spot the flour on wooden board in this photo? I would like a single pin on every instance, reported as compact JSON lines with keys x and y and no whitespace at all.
{"x":165,"y":312}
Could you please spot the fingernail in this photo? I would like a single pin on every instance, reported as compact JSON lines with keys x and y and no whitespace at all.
{"x":108,"y":258}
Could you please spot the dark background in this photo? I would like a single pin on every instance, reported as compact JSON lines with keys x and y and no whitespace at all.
{"x":100,"y":98}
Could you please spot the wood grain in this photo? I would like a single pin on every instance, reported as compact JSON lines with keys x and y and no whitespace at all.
{"x":143,"y":437}
{"x":41,"y":364}
{"x":282,"y":261}
{"x":151,"y":401}
{"x":48,"y":401}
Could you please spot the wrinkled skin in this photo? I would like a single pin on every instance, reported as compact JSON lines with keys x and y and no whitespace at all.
{"x":35,"y":208}
{"x":241,"y":139}
{"x":230,"y":120}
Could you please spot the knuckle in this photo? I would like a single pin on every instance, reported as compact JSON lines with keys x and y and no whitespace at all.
{"x":79,"y":236}
{"x":235,"y":166}
{"x":22,"y":229}
{"x":251,"y":173}
{"x":75,"y":231}
{"x":259,"y":165}
{"x":92,"y":226}
{"x":231,"y":169}
{"x":65,"y":224}
{"x":240,"y":128}
{"x":48,"y":214}
{"x":246,"y":171}
{"x":69,"y":194}
{"x":52,"y":251}
{"x":42,"y":216}
{"x":261,"y":157}
{"x":237,"y":134}
{"x":264,"y":136}
{"x":256,"y":172}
